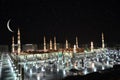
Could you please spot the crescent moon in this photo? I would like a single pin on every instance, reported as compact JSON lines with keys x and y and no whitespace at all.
{"x":9,"y":26}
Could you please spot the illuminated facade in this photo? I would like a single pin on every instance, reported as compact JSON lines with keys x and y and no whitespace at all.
{"x":29,"y":47}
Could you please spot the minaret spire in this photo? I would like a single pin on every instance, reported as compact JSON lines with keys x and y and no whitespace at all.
{"x":44,"y":43}
{"x":76,"y":42}
{"x":103,"y":45}
{"x":92,"y":47}
{"x":13,"y":45}
{"x":55,"y":47}
{"x":66,"y":44}
{"x":74,"y":49}
{"x":50,"y":44}
{"x":19,"y":43}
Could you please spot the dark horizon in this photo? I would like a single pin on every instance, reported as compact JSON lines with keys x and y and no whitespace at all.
{"x":65,"y":20}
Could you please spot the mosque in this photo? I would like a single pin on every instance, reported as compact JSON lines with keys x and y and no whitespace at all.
{"x":27,"y":56}
{"x":49,"y":47}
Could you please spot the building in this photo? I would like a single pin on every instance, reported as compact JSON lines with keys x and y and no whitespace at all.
{"x":29,"y":47}
{"x":4,"y":48}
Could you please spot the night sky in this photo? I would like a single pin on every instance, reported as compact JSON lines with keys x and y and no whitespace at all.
{"x":65,"y":20}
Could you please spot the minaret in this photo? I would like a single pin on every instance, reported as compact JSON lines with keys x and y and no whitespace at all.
{"x":44,"y":43}
{"x":50,"y":44}
{"x":76,"y":42}
{"x":92,"y":47}
{"x":19,"y":44}
{"x":103,"y":45}
{"x":13,"y":45}
{"x":66,"y":44}
{"x":55,"y":47}
{"x":74,"y":49}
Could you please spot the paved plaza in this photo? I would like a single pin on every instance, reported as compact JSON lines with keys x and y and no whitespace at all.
{"x":56,"y":67}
